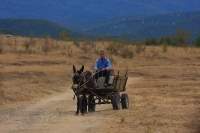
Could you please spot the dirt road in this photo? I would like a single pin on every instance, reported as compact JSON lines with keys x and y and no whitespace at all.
{"x":55,"y":114}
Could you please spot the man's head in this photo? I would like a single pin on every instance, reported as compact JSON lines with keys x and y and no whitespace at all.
{"x":102,"y":54}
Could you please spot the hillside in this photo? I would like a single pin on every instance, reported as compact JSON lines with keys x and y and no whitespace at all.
{"x":38,"y":27}
{"x":143,"y":26}
{"x":140,"y":19}
{"x":62,"y":11}
{"x":139,"y":26}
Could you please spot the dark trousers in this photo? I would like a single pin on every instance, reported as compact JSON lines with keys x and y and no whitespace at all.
{"x":103,"y":73}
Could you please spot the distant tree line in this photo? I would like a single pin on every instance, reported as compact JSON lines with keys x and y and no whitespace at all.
{"x":41,"y":28}
{"x":181,"y":38}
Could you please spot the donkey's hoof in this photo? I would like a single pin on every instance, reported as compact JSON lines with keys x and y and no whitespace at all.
{"x":76,"y":113}
{"x":82,"y":113}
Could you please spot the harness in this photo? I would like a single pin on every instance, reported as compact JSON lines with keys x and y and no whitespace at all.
{"x":84,"y":82}
{"x":84,"y":85}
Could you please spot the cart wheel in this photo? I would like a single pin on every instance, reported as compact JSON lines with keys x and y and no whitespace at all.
{"x":115,"y":99}
{"x":125,"y":101}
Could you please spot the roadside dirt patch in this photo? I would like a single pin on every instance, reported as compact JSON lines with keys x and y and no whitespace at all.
{"x":54,"y":114}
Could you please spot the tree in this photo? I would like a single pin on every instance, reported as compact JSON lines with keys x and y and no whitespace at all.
{"x":181,"y":38}
{"x":1,"y":44}
{"x":64,"y":36}
{"x":100,"y":38}
{"x":151,"y":41}
{"x":197,"y":41}
{"x":45,"y":47}
{"x":165,"y":40}
{"x":30,"y":43}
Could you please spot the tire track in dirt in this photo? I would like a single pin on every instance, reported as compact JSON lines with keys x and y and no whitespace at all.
{"x":52,"y":115}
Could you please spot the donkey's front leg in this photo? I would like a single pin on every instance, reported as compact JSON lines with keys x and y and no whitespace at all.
{"x":83,"y":109}
{"x":77,"y":111}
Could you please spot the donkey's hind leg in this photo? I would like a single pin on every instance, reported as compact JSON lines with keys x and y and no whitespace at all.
{"x":91,"y":104}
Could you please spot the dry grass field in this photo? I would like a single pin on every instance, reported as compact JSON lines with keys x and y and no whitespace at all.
{"x":165,"y":98}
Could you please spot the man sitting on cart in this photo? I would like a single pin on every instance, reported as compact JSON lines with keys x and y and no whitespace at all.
{"x":103,"y":66}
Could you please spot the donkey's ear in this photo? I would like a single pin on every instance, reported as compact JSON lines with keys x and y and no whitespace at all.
{"x":74,"y":69}
{"x":81,"y":70}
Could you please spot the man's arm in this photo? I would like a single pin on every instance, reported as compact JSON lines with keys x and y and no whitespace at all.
{"x":108,"y":64}
{"x":96,"y":65}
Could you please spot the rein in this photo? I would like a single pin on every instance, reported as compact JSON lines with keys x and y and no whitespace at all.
{"x":88,"y":79}
{"x":84,"y":84}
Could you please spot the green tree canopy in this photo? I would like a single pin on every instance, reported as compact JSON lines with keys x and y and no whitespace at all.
{"x":64,"y":36}
{"x":197,"y":41}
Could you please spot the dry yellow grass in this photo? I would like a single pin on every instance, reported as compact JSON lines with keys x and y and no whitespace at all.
{"x":166,"y":99}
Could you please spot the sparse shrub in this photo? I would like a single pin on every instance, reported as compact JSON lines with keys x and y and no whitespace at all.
{"x":100,"y":38}
{"x":165,"y":40}
{"x":95,"y":48}
{"x":116,"y":46}
{"x":151,"y":41}
{"x":2,"y":96}
{"x":185,"y":48}
{"x":131,"y":54}
{"x":197,"y":41}
{"x":149,"y":57}
{"x":63,"y":52}
{"x":113,"y":48}
{"x":27,"y":45}
{"x":155,"y":53}
{"x":9,"y":41}
{"x":55,"y":45}
{"x":152,"y":55}
{"x":165,"y":47}
{"x":64,"y":36}
{"x":45,"y":47}
{"x":140,"y":48}
{"x":181,"y":38}
{"x":120,"y":49}
{"x":112,"y":60}
{"x":127,"y":53}
{"x":69,"y":50}
{"x":1,"y":44}
{"x":32,"y":42}
{"x":1,"y":80}
{"x":87,"y":45}
{"x":76,"y":43}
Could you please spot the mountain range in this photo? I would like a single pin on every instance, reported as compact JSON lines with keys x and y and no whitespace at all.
{"x":143,"y":26}
{"x":62,"y":11}
{"x":138,"y":18}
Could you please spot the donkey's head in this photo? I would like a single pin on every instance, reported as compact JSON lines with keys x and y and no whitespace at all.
{"x":77,"y":78}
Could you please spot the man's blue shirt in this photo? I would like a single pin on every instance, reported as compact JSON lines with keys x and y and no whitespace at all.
{"x":102,"y":64}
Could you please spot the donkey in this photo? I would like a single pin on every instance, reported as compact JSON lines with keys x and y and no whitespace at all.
{"x":82,"y":81}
